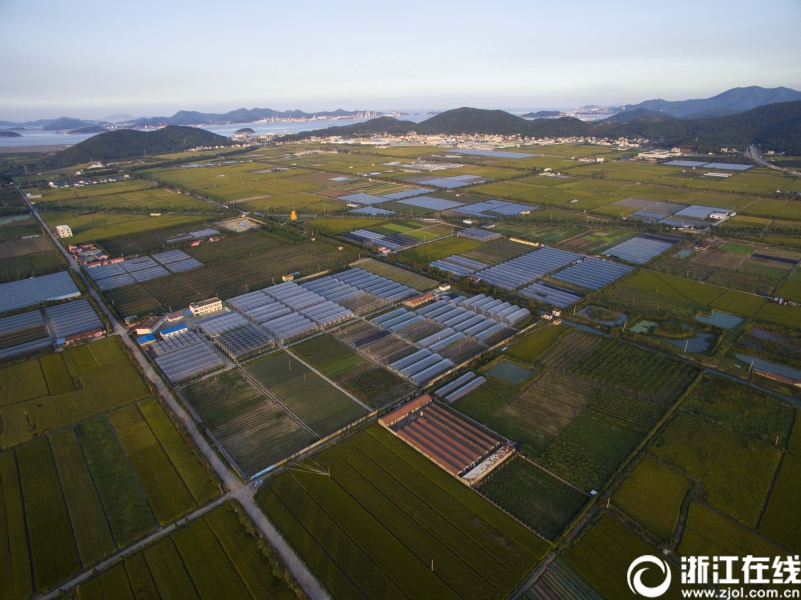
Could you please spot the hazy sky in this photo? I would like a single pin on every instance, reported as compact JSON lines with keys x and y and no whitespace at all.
{"x":153,"y":58}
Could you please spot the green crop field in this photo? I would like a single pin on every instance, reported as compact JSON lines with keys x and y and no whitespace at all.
{"x":89,"y":524}
{"x":484,"y":402}
{"x":589,"y":410}
{"x":603,"y":555}
{"x":335,"y":226}
{"x":133,"y":195}
{"x":674,"y":287}
{"x":413,"y":280}
{"x":737,"y":472}
{"x":87,"y":490}
{"x":59,"y":380}
{"x":310,"y":397}
{"x":123,"y":500}
{"x":711,"y":534}
{"x":199,"y":483}
{"x":497,"y":251}
{"x":539,"y":500}
{"x":386,"y":512}
{"x":783,"y":315}
{"x":741,"y":409}
{"x":373,"y":385}
{"x":253,"y":429}
{"x":535,"y":344}
{"x":634,"y":369}
{"x":738,"y":303}
{"x":214,"y":555}
{"x":53,"y":552}
{"x":29,"y":410}
{"x":781,"y":520}
{"x":432,"y":251}
{"x":100,"y":226}
{"x":15,"y":565}
{"x":166,"y":492}
{"x":652,"y":495}
{"x":22,"y":267}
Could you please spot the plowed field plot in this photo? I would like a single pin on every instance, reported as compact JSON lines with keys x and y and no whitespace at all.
{"x":372,"y":384}
{"x":215,"y":555}
{"x":311,"y":398}
{"x":37,"y":245}
{"x":254,"y":430}
{"x":773,"y":263}
{"x":374,"y":526}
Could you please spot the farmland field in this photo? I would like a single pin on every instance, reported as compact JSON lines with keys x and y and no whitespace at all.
{"x":413,"y":280}
{"x":711,"y":534}
{"x":22,"y":267}
{"x":214,"y":555}
{"x":737,"y":472}
{"x":603,"y":555}
{"x":535,"y":344}
{"x":635,"y":369}
{"x":783,"y":315}
{"x":484,"y":402}
{"x":372,"y":384}
{"x":588,"y":411}
{"x":99,"y":226}
{"x":135,"y":195}
{"x":15,"y":565}
{"x":199,"y":483}
{"x":781,"y":520}
{"x":542,"y":502}
{"x":432,"y":251}
{"x":52,"y":549}
{"x":385,"y":513}
{"x":674,"y":287}
{"x":164,"y":488}
{"x":652,"y":496}
{"x":90,"y":526}
{"x":497,"y":251}
{"x":741,"y":409}
{"x":102,"y":388}
{"x":253,"y":429}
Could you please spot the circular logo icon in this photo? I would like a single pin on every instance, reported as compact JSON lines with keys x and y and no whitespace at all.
{"x":634,"y":576}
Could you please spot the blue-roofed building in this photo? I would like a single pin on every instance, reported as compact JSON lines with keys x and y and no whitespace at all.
{"x":165,"y":333}
{"x":144,"y":340}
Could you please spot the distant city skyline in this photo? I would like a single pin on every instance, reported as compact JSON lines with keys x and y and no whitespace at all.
{"x":80,"y":59}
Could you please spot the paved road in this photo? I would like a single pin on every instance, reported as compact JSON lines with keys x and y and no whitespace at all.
{"x":237,"y":489}
{"x":753,"y":153}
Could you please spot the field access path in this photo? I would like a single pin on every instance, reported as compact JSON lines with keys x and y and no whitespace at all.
{"x":237,"y":489}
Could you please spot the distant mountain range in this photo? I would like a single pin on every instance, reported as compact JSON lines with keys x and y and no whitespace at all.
{"x":128,"y":143}
{"x":541,"y":114}
{"x":243,"y":115}
{"x":734,"y":100}
{"x":775,"y":126}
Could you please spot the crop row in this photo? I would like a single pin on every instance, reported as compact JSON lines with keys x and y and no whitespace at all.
{"x":82,"y":500}
{"x":380,"y":520}
{"x":213,"y":557}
